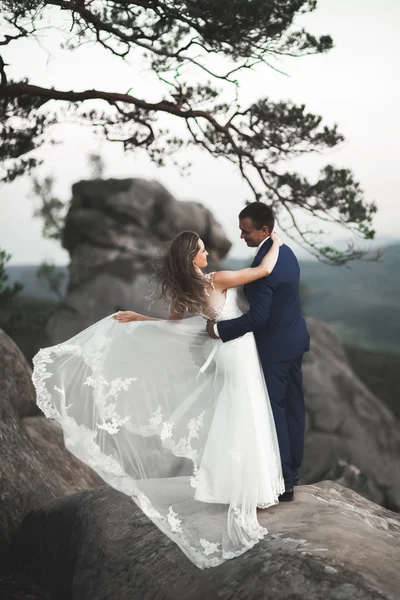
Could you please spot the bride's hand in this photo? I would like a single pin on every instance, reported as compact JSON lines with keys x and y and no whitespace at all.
{"x":275,"y":237}
{"x":125,"y":316}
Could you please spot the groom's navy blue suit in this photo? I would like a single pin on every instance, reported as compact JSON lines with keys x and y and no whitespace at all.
{"x":282,"y":338}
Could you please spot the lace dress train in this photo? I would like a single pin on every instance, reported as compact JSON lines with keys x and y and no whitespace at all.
{"x":179,"y":422}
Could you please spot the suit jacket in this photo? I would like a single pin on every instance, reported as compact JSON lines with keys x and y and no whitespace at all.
{"x":274,"y":313}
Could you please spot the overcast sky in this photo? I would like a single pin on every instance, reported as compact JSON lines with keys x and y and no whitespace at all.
{"x":354,"y":85}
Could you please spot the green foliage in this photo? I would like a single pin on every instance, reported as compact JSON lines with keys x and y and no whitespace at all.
{"x":52,"y":210}
{"x":177,"y":38}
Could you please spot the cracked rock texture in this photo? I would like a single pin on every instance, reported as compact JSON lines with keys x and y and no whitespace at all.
{"x":351,"y":437}
{"x":330,"y":543}
{"x":34,"y":464}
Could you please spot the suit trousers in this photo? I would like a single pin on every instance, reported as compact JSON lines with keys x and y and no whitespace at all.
{"x":285,"y":388}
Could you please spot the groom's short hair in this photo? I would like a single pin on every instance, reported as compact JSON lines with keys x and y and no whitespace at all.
{"x":260,"y":214}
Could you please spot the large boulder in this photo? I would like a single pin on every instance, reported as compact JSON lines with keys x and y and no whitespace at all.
{"x":351,"y":435}
{"x":15,"y":378}
{"x":330,"y":543}
{"x":26,"y":481}
{"x":34,"y":464}
{"x":380,"y":371}
{"x":70,"y":473}
{"x":114,"y":232}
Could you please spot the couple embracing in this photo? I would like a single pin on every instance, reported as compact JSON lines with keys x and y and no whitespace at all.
{"x":200,"y":426}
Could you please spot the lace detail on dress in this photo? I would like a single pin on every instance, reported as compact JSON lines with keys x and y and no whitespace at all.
{"x":220,"y":307}
{"x":210,"y":280}
{"x":132,"y":407}
{"x":209,"y":547}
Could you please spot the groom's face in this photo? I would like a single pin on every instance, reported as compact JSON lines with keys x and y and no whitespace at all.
{"x":252,"y":236}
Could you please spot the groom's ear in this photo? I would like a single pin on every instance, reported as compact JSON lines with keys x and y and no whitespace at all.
{"x":265,"y":229}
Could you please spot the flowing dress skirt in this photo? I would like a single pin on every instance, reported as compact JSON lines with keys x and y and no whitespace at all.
{"x":177,"y":421}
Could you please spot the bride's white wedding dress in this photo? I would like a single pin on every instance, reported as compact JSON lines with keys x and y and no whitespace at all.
{"x":177,"y":421}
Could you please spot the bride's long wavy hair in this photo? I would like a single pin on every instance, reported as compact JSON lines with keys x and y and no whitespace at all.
{"x":180,"y":285}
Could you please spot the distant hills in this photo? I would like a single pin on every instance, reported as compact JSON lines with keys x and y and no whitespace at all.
{"x":361,"y":301}
{"x":34,"y":287}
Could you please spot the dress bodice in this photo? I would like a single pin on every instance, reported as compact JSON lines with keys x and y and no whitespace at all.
{"x":221,"y":306}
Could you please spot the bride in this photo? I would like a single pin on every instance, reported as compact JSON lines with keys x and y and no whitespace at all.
{"x":176,"y":420}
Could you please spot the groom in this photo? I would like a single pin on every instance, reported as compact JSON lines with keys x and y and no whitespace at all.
{"x":281,"y":336}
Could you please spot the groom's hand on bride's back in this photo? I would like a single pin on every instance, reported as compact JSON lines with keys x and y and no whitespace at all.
{"x":210,"y":329}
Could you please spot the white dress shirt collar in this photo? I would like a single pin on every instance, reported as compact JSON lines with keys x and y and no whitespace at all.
{"x":259,"y":245}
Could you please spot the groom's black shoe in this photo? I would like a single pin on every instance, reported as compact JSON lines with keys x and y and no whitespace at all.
{"x":287,"y":496}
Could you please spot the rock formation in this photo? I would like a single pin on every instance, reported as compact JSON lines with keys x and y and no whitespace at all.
{"x":114,"y":232}
{"x":15,"y":378}
{"x":34,"y":465}
{"x":330,"y":543}
{"x":351,"y":435}
{"x":380,"y":371}
{"x":59,"y":538}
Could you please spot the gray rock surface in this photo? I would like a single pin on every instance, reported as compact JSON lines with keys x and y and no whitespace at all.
{"x":330,"y":543}
{"x":380,"y":371}
{"x":69,"y":472}
{"x":15,"y":378}
{"x":25,"y":480}
{"x":352,"y":437}
{"x":113,"y":232}
{"x":34,"y":464}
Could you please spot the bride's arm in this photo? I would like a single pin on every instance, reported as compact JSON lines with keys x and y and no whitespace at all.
{"x":126,"y":316}
{"x":224,"y":280}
